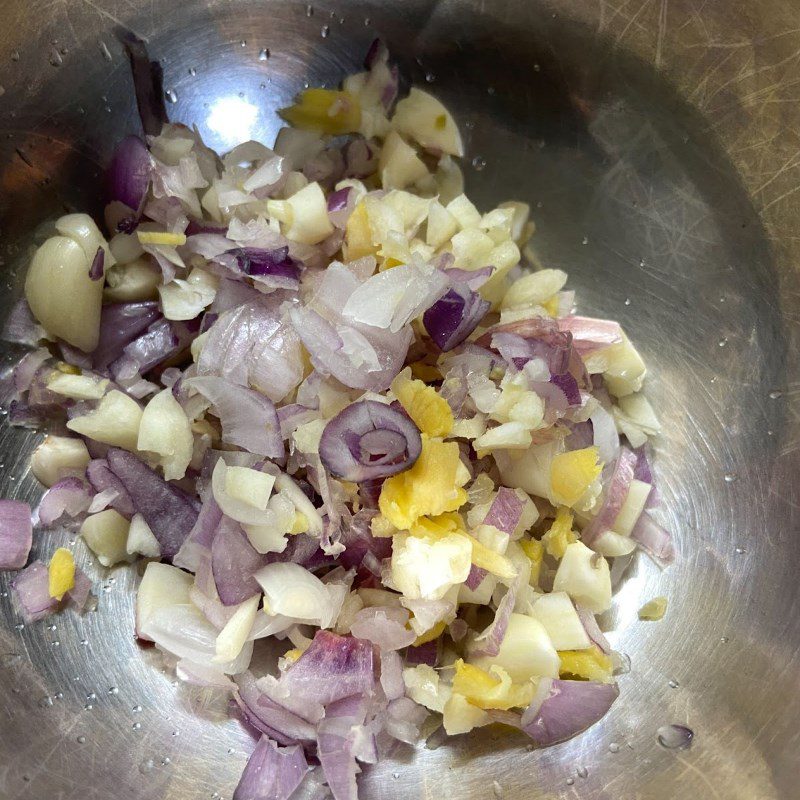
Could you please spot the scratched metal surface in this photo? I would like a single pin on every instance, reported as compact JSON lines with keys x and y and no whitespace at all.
{"x":657,"y":142}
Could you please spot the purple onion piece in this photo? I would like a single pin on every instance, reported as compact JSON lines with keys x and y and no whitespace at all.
{"x":369,"y":440}
{"x":616,"y":492}
{"x":255,"y":261}
{"x":102,"y":479}
{"x":451,"y":319}
{"x":128,"y":175}
{"x":568,"y":708}
{"x":272,"y":772}
{"x":168,"y":511}
{"x":338,"y":200}
{"x":655,"y":540}
{"x":32,"y":589}
{"x":505,"y":511}
{"x":332,"y":668}
{"x":68,"y":496}
{"x":16,"y":534}
{"x":569,"y":386}
{"x":234,"y":562}
{"x":120,"y":324}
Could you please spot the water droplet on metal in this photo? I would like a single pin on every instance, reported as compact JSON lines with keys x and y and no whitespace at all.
{"x":243,"y":43}
{"x":166,"y":761}
{"x":723,"y":341}
{"x":325,"y":32}
{"x":430,"y":77}
{"x":675,"y":737}
{"x":478,"y":163}
{"x":55,"y":643}
{"x":81,"y":740}
{"x":724,"y":639}
{"x":497,"y":789}
{"x":137,"y":726}
{"x":84,"y":642}
{"x":59,"y":695}
{"x":192,"y":71}
{"x":171,"y":95}
{"x":730,"y":477}
{"x":15,"y":55}
{"x":673,"y":684}
{"x":105,"y":51}
{"x":366,"y":22}
{"x":176,"y":733}
{"x":52,"y":627}
{"x":775,"y":394}
{"x":582,"y":772}
{"x":490,"y":90}
{"x":309,"y":10}
{"x":113,"y":690}
{"x":20,"y":626}
{"x":147,"y":766}
{"x":262,"y":86}
{"x":739,"y":551}
{"x":570,"y":781}
{"x":88,"y":707}
{"x":136,"y":709}
{"x":55,"y":58}
{"x":395,"y":775}
{"x":46,"y":701}
{"x":264,"y":54}
{"x":613,"y":748}
{"x":627,"y":301}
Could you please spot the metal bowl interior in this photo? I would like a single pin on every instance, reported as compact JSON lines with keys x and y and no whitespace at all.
{"x":656,"y":146}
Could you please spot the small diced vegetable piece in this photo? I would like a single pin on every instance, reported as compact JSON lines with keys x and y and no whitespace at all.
{"x":572,"y":473}
{"x":232,"y":637}
{"x":61,"y":573}
{"x":422,"y":117}
{"x":164,"y":429}
{"x":304,"y":215}
{"x":460,"y":716}
{"x":561,"y":621}
{"x":106,"y":534}
{"x":399,"y":165}
{"x":585,"y":577}
{"x":324,"y":110}
{"x":632,"y":508}
{"x":589,"y":664}
{"x":162,"y":586}
{"x":115,"y":421}
{"x":78,"y":387}
{"x":127,"y":283}
{"x":57,"y":457}
{"x":654,"y":609}
{"x":526,"y":651}
{"x":141,"y":539}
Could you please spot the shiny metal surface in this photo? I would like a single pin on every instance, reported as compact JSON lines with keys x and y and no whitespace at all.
{"x":657,"y":143}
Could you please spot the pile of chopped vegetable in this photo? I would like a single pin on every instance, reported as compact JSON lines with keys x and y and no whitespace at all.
{"x":312,"y":391}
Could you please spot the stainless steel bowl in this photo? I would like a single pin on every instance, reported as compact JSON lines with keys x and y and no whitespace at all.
{"x":657,"y":144}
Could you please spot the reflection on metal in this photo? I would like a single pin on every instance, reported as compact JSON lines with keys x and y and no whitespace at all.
{"x":663,"y":135}
{"x":233,"y":120}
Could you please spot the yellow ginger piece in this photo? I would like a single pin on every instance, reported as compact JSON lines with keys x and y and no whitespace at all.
{"x":492,"y":689}
{"x":560,"y":535}
{"x":324,"y":110}
{"x":61,"y":573}
{"x":430,"y":412}
{"x":590,"y":664}
{"x":572,"y":473}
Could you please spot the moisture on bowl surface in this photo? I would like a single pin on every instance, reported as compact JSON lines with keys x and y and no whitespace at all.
{"x":604,"y":154}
